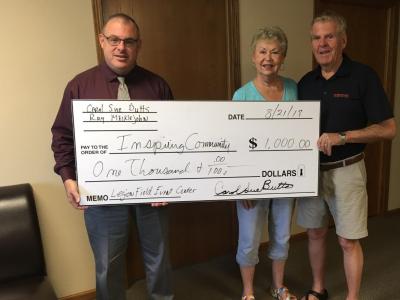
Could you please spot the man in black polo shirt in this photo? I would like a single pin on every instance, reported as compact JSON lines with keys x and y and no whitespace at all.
{"x":354,"y":111}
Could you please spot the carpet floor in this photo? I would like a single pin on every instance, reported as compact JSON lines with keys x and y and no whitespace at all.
{"x":219,"y":279}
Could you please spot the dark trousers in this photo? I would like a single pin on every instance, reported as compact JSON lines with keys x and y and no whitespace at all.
{"x":108,"y":230}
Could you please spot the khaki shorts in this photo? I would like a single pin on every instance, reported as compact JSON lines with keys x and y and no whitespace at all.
{"x":343,"y":193}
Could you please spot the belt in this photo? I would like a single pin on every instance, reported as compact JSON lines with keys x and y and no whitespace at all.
{"x":342,"y":163}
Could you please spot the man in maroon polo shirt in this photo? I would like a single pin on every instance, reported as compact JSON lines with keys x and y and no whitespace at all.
{"x":107,"y":226}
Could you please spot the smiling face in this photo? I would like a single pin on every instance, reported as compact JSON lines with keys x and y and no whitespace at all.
{"x":122,"y":57}
{"x":327,"y":44}
{"x":267,"y":57}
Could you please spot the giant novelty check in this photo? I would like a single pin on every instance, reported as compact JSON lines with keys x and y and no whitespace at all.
{"x":174,"y":151}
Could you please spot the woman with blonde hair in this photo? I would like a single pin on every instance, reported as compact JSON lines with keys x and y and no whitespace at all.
{"x":269,"y":47}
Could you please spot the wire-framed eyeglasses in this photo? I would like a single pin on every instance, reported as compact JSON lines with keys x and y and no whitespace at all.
{"x":115,"y":41}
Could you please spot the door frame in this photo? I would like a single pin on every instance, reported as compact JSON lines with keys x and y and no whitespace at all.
{"x":233,"y":40}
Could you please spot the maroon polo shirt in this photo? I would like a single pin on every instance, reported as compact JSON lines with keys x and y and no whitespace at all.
{"x":99,"y":82}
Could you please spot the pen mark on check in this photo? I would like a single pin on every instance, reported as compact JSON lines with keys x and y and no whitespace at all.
{"x":247,"y":188}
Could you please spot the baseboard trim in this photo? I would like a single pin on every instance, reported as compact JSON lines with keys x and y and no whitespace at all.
{"x":395,"y":211}
{"x":88,"y":295}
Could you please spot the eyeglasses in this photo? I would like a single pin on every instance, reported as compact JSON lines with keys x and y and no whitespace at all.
{"x":115,"y":41}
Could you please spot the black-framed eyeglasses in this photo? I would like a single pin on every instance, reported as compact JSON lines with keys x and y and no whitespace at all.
{"x":115,"y":41}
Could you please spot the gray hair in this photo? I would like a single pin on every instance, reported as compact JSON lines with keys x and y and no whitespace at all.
{"x":273,"y":33}
{"x":331,"y":16}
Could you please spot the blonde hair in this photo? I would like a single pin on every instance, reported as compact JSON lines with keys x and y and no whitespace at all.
{"x":273,"y":33}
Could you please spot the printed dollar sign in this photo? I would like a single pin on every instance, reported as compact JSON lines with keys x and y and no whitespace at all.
{"x":253,"y":143}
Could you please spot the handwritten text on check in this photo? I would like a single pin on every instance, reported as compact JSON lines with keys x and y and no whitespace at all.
{"x":154,"y":151}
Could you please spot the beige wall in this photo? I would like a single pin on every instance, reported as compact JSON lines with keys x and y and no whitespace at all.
{"x":44,"y":44}
{"x":293,"y":17}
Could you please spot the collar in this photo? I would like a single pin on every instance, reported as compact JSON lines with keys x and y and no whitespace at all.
{"x":112,"y":76}
{"x":343,"y":71}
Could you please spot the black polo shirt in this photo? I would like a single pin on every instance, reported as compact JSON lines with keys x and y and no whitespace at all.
{"x":351,"y":99}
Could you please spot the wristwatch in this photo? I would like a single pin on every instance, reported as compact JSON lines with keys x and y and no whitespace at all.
{"x":342,"y":136}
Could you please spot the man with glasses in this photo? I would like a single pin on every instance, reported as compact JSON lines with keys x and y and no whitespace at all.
{"x":118,"y":77}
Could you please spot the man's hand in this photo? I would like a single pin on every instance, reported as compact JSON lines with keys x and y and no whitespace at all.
{"x":385,"y":130}
{"x":158,"y":204}
{"x":71,"y":189}
{"x":247,"y":204}
{"x":327,"y":140}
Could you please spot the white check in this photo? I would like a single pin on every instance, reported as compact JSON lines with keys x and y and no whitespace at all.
{"x":155,"y":151}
